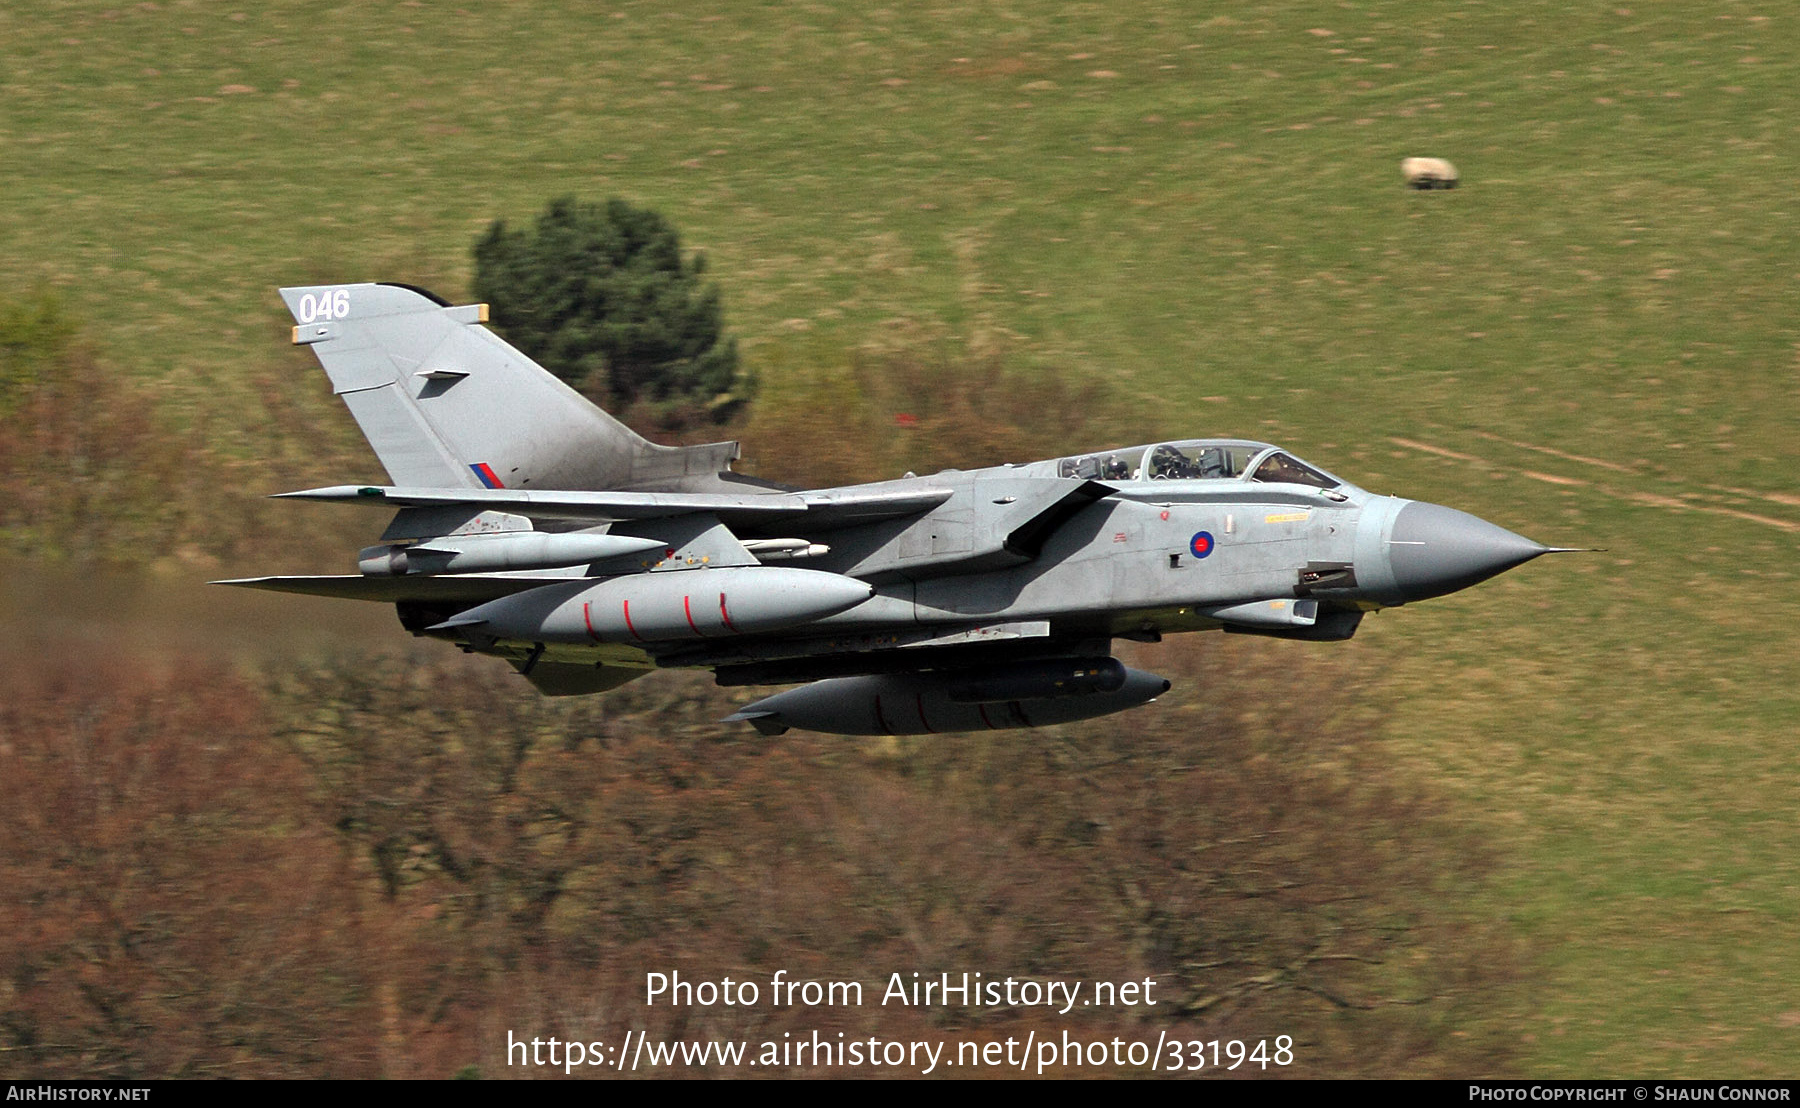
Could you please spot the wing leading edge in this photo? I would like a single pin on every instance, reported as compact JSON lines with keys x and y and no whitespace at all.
{"x":824,"y":509}
{"x":470,"y":589}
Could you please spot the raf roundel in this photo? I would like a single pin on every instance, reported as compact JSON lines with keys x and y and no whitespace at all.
{"x":533,"y":527}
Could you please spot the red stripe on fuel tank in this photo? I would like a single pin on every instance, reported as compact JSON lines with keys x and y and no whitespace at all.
{"x":587,"y":617}
{"x":689,"y":613}
{"x":628,"y":625}
{"x":982,"y":708}
{"x":725,"y":615}
{"x":919,"y":699}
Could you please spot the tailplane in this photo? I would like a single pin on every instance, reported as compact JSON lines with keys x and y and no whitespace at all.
{"x":446,"y":403}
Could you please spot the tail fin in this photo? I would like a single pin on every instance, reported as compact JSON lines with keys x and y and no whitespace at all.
{"x":446,"y":403}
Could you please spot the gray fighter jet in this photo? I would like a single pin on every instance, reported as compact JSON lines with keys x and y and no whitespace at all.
{"x":529,"y":524}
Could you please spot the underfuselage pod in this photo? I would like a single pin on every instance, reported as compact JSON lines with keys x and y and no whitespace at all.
{"x":930,"y":704}
{"x":665,"y":607}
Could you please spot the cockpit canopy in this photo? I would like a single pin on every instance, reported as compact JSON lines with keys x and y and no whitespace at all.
{"x":1198,"y":459}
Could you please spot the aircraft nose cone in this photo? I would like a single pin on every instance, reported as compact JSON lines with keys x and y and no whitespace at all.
{"x":1437,"y":550}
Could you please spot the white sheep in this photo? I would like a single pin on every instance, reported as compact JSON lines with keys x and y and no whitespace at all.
{"x":1428,"y":173}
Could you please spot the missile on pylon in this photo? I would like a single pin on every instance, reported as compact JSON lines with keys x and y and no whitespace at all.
{"x":493,"y":553}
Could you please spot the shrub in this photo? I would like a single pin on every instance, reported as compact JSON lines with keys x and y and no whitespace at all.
{"x":87,"y":460}
{"x":601,"y":296}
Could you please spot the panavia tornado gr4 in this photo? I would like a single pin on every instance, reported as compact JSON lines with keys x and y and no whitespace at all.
{"x":529,"y":524}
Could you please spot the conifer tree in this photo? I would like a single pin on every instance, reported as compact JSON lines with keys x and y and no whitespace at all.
{"x":601,"y":296}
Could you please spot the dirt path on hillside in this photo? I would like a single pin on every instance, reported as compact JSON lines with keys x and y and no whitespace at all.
{"x":1723,"y":500}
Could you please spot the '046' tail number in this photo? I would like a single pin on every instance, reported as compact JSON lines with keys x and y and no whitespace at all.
{"x":327,"y":305}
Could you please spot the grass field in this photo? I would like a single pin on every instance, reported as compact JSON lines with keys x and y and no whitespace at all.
{"x":1593,"y":341}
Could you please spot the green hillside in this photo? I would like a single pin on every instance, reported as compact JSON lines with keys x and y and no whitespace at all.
{"x":1199,"y":219}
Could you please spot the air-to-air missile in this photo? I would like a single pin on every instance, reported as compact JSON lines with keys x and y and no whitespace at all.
{"x":489,"y":553}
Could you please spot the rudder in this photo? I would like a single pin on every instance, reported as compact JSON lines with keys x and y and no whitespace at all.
{"x":446,"y":403}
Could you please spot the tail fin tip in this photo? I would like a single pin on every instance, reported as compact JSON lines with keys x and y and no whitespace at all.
{"x":446,"y":403}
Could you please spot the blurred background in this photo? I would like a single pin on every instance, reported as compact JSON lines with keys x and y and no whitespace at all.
{"x":1542,"y":827}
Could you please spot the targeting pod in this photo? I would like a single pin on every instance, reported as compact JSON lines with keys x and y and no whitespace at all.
{"x":1289,"y":619}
